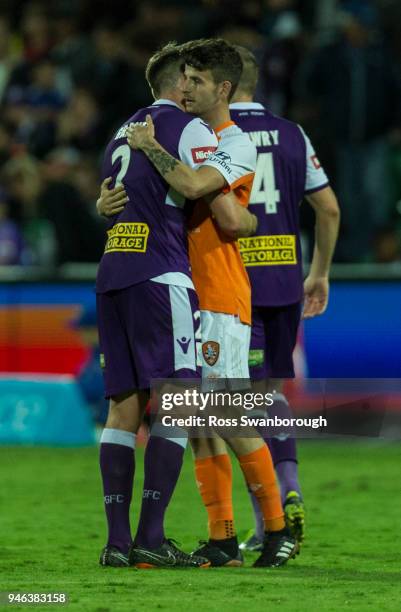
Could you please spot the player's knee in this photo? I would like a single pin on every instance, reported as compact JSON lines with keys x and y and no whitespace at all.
{"x":245,"y":446}
{"x":125,"y":412}
{"x":207,"y":447}
{"x":118,"y":421}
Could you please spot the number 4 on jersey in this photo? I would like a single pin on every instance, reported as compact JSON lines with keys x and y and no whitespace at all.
{"x":264,"y":185}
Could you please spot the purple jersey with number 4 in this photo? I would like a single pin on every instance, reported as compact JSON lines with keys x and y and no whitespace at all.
{"x":287,"y":169}
{"x":148,"y":239}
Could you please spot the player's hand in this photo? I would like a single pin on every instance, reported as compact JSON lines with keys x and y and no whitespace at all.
{"x":316,"y":296}
{"x":111,"y":201}
{"x":140,"y":135}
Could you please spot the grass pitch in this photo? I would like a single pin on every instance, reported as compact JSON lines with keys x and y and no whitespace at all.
{"x":52,"y":529}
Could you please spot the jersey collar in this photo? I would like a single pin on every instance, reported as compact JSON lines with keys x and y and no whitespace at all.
{"x":246,"y":105}
{"x":165,"y":101}
{"x":223,"y":126}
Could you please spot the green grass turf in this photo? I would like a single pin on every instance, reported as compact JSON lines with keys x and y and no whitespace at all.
{"x":52,"y":529}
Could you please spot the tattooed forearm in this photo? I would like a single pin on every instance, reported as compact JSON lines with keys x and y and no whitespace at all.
{"x":163,"y":161}
{"x":178,"y":175}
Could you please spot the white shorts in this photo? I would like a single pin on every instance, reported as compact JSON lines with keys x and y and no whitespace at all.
{"x":225,"y":346}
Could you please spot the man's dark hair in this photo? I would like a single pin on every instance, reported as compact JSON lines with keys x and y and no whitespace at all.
{"x":163,"y":68}
{"x":216,"y":55}
{"x":250,"y":71}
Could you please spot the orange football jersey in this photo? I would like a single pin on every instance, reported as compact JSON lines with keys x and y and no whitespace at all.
{"x":218,"y":272}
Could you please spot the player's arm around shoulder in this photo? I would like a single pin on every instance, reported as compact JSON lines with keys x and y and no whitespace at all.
{"x":185,"y":179}
{"x":316,"y":285}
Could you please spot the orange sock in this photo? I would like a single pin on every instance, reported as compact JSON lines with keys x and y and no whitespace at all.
{"x":260,"y":477}
{"x":214,"y":480}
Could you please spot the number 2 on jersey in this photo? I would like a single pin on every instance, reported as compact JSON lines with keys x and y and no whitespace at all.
{"x":124,"y":153}
{"x":264,"y":185}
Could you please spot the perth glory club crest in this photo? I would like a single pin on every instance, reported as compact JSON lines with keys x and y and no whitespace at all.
{"x":211,"y":351}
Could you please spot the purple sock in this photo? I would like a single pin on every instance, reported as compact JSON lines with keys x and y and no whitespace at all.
{"x":287,"y":473}
{"x":259,"y":523}
{"x":163,"y":462}
{"x":117,"y":466}
{"x":284,"y":450}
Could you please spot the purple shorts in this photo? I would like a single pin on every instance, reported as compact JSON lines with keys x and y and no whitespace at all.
{"x":147,"y":331}
{"x":273,"y":339}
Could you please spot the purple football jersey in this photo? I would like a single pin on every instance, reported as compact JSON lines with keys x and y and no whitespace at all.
{"x":149,"y":237}
{"x":287,"y":169}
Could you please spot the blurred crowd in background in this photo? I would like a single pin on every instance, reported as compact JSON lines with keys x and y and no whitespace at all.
{"x":71,"y":71}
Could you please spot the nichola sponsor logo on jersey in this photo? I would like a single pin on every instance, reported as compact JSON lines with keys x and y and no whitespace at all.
{"x":199,"y":154}
{"x":268,"y":250}
{"x":127,"y":238}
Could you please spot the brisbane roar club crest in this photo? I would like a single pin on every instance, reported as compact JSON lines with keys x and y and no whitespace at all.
{"x":211,"y":352}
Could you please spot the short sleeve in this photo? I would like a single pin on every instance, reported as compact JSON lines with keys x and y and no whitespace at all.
{"x":197,"y":142}
{"x":235,"y":158}
{"x":316,"y":178}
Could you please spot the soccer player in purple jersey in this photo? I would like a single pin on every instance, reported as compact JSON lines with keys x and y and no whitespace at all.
{"x":287,"y":171}
{"x":147,"y":315}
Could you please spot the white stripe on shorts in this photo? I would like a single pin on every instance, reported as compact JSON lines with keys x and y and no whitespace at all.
{"x":183,"y":329}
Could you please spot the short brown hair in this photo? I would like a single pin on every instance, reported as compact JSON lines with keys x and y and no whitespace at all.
{"x":250,"y":71}
{"x":163,"y":68}
{"x":216,"y":55}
